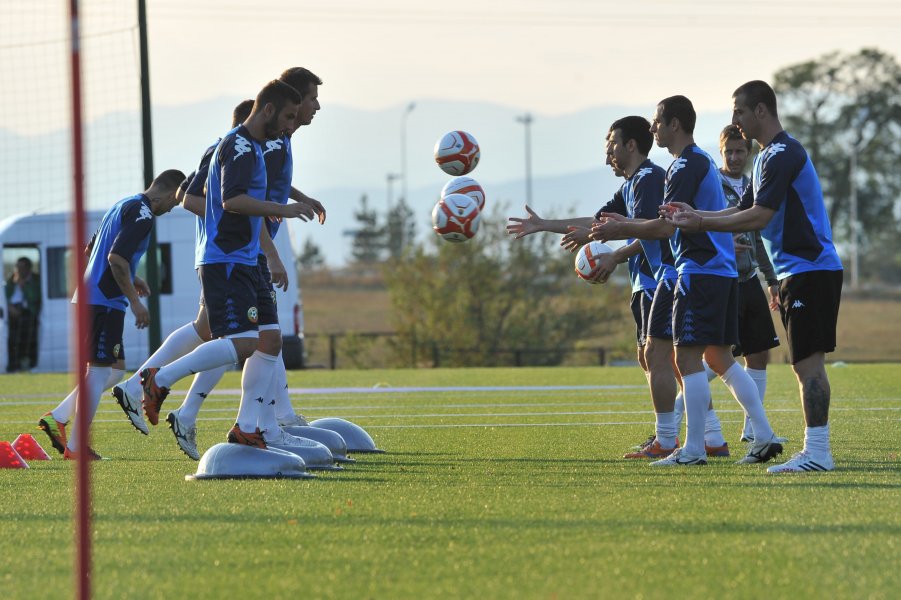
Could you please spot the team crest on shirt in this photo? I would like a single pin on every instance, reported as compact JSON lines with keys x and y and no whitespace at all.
{"x":252,"y":314}
{"x":242,"y":147}
{"x":117,"y":350}
{"x":272,"y":145}
{"x":145,"y":213}
{"x":272,"y":295}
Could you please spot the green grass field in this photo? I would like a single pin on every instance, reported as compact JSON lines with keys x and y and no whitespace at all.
{"x":482,"y":494}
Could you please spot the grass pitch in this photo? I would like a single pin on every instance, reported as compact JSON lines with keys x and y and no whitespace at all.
{"x":503,"y":493}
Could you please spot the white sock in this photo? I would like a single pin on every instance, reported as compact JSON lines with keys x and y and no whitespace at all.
{"x":203,"y":384}
{"x":816,"y":440}
{"x":697,"y":399}
{"x":283,"y":406}
{"x":66,"y":409}
{"x":267,"y":421}
{"x":743,"y":389}
{"x":679,"y":411}
{"x":205,"y":357}
{"x":255,"y":382}
{"x":95,"y":379}
{"x":180,"y":342}
{"x":711,"y":374}
{"x":666,"y":429}
{"x":713,"y":432}
{"x":759,"y":377}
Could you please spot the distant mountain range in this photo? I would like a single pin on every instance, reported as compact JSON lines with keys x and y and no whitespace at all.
{"x":346,"y":153}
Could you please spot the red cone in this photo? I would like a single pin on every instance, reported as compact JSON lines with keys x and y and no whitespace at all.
{"x":9,"y":458}
{"x":28,"y":448}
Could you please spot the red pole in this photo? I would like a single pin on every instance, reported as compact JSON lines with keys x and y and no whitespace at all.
{"x":82,"y":477}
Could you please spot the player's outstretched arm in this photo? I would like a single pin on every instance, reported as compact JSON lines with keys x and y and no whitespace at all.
{"x":731,"y":219}
{"x":521,"y":227}
{"x":121,"y":271}
{"x":315,"y":205}
{"x":575,"y":238}
{"x":614,"y":226}
{"x":194,"y":204}
{"x":250,"y":206}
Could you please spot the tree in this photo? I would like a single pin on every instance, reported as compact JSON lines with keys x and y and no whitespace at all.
{"x":843,"y":105}
{"x":400,"y":229}
{"x":477,"y":300}
{"x":311,"y":255}
{"x":368,"y":237}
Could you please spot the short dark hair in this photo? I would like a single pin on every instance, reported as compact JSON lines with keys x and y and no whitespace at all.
{"x":635,"y":128}
{"x":732,"y":132}
{"x":300,"y":79}
{"x":757,"y":92}
{"x":241,"y":112}
{"x":679,"y":107}
{"x":278,"y":93}
{"x":168,"y":180}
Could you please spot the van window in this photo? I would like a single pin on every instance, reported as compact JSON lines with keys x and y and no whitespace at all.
{"x":60,"y":266}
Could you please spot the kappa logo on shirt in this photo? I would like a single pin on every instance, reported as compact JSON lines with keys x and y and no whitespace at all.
{"x":641,"y":173}
{"x":677,"y":166}
{"x":145,"y":213}
{"x":242,"y":147}
{"x":797,"y":304}
{"x":773,"y":150}
{"x":272,"y":145}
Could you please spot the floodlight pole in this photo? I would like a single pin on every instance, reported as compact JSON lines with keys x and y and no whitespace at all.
{"x":154,"y":330}
{"x":403,"y":149}
{"x":82,"y":471}
{"x":526,"y":120}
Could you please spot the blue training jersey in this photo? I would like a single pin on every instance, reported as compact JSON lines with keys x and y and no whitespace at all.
{"x":799,"y":237}
{"x":694,"y":179}
{"x":640,"y":274}
{"x":279,"y":170}
{"x":237,"y":167}
{"x":125,"y":231}
{"x":643,"y":193}
{"x":194,"y":185}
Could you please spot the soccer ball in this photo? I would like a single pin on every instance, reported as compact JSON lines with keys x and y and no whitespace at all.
{"x":456,"y":217}
{"x":468,"y":186}
{"x":457,"y":153}
{"x":586,"y":259}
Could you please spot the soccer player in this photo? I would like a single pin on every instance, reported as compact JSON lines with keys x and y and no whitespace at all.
{"x":785,"y":202}
{"x":230,"y":277}
{"x":111,"y":286}
{"x":704,"y":318}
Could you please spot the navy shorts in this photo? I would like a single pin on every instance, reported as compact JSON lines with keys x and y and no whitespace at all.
{"x":641,"y":307}
{"x":661,"y":317}
{"x":756,"y":332}
{"x":105,"y":338}
{"x":230,"y":293}
{"x":266,"y":302}
{"x":705,"y":310}
{"x":809,"y":305}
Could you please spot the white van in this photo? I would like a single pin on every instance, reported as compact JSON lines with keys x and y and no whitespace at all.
{"x":44,"y":238}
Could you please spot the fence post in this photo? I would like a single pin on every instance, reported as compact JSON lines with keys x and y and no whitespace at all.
{"x":436,"y":356}
{"x":602,"y":357}
{"x":517,"y":358}
{"x":332,"y":353}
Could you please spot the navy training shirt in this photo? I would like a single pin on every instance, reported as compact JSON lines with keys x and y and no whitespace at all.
{"x":125,"y":231}
{"x":237,"y":167}
{"x":194,"y":185}
{"x":279,"y":171}
{"x":643,"y":193}
{"x":694,"y":179}
{"x":640,"y":274}
{"x":799,"y":237}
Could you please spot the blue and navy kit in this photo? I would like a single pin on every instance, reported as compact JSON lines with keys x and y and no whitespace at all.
{"x":694,"y":179}
{"x":640,"y":273}
{"x":125,"y":231}
{"x":237,"y":167}
{"x":193,"y":185}
{"x":643,"y":193}
{"x":799,"y":237}
{"x":279,"y":171}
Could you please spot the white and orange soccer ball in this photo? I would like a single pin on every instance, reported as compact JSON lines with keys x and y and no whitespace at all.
{"x":456,"y":217}
{"x":587,"y":260}
{"x":465,"y":185}
{"x":457,"y":153}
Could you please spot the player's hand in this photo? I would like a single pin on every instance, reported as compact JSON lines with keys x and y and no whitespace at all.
{"x":607,"y":227}
{"x":774,"y":297}
{"x":576,"y":238}
{"x":606,"y":267}
{"x":740,"y":246}
{"x":317,"y":208}
{"x":278,"y":275}
{"x":142,"y":315}
{"x":681,"y":215}
{"x":520,"y":228}
{"x":141,"y":287}
{"x":297,"y":210}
